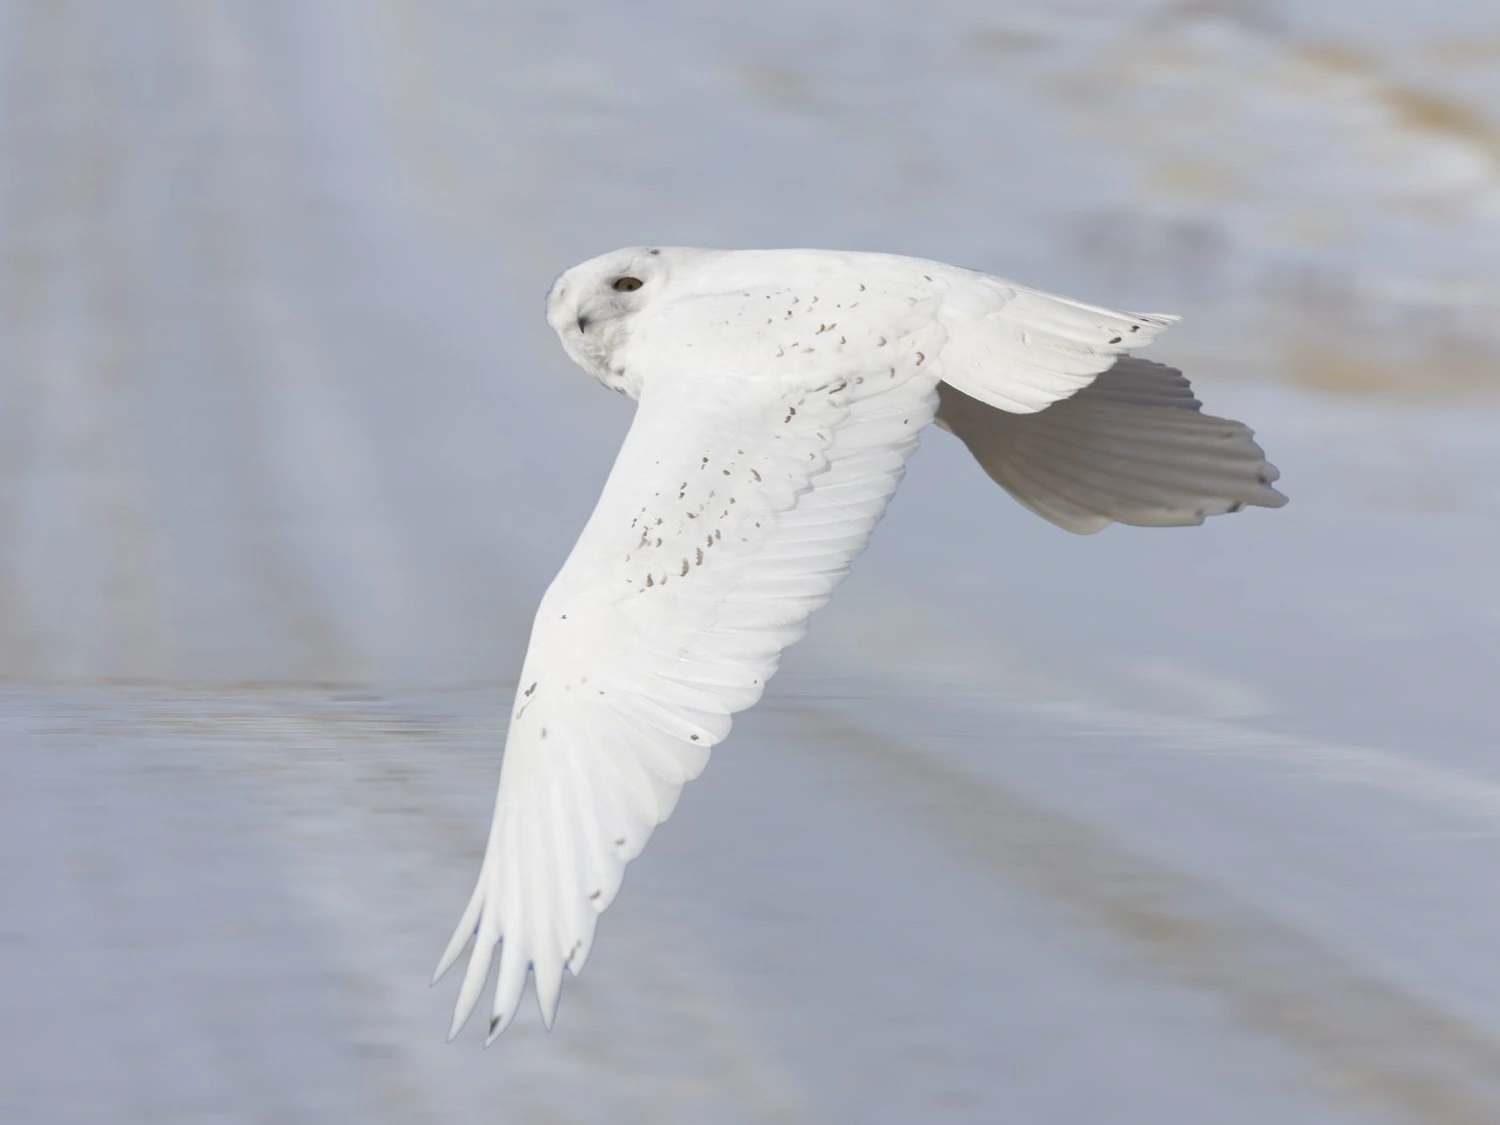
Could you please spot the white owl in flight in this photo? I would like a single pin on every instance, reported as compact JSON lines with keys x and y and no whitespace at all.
{"x":780,"y":393}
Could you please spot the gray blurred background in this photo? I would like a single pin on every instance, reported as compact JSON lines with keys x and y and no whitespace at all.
{"x":1150,"y":827}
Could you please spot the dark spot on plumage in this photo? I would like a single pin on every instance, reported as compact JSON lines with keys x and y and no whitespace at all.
{"x":528,"y":691}
{"x":544,"y":732}
{"x":1116,"y":339}
{"x":650,"y":581}
{"x":596,"y":896}
{"x":694,"y":737}
{"x":620,"y":843}
{"x":754,"y":473}
{"x":1135,"y":327}
{"x":698,"y":555}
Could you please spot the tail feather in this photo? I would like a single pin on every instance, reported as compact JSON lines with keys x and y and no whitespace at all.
{"x":1020,"y":349}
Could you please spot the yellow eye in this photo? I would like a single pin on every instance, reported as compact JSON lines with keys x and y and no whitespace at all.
{"x":626,"y":284}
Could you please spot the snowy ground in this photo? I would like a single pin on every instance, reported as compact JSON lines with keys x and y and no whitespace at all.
{"x":1149,"y":827}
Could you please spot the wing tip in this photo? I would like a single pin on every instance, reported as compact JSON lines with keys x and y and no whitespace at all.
{"x":498,"y":1023}
{"x":457,"y":1024}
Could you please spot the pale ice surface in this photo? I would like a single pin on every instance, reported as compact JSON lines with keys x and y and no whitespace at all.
{"x":1149,"y":827}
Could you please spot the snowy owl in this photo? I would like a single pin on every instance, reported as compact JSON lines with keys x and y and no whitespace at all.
{"x":780,"y":393}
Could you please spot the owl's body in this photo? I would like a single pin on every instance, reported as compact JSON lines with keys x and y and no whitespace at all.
{"x":780,"y":394}
{"x":788,"y":314}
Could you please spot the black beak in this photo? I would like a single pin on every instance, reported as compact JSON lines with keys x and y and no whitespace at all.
{"x":583,"y":323}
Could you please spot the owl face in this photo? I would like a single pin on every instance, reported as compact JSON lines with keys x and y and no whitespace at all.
{"x":592,"y":305}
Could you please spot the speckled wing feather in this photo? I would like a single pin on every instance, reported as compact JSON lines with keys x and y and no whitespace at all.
{"x":733,"y":510}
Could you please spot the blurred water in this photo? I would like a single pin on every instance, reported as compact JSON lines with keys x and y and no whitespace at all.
{"x":1152,"y":826}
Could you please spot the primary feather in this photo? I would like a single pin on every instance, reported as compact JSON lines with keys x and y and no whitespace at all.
{"x":780,"y":395}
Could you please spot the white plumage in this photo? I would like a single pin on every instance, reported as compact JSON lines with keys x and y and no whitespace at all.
{"x":780,"y":394}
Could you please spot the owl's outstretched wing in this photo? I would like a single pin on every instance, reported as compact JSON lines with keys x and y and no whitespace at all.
{"x":734,"y":508}
{"x":1133,"y":447}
